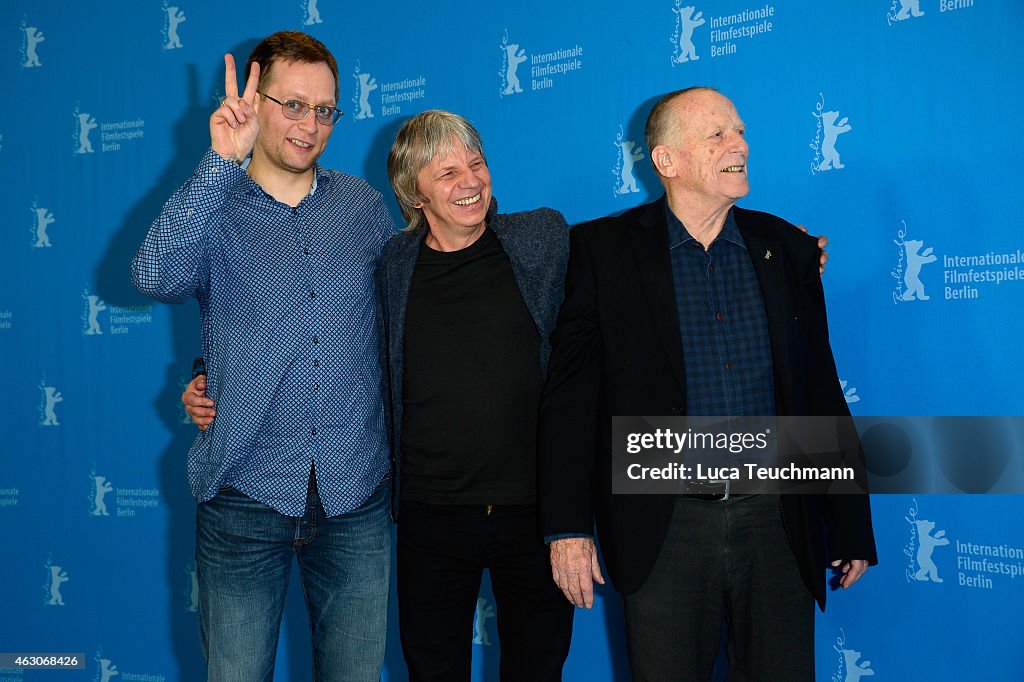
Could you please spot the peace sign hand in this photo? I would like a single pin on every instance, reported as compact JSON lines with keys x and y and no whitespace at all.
{"x":233,"y":126}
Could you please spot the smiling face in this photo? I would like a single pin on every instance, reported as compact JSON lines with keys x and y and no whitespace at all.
{"x":293,"y":146}
{"x":704,"y":156}
{"x":455,"y":191}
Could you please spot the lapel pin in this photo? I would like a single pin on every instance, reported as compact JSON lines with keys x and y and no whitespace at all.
{"x":768,"y":254}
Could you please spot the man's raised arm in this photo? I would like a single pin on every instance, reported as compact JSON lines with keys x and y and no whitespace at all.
{"x":171,"y":263}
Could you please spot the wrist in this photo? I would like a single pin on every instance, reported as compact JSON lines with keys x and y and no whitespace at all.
{"x":231,"y":157}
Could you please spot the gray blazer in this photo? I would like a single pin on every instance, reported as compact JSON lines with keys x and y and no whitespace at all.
{"x":537,"y":245}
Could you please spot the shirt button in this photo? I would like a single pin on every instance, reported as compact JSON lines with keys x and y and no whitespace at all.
{"x":190,"y":212}
{"x":312,"y":294}
{"x":316,"y":363}
{"x":316,"y":387}
{"x":719,"y":316}
{"x":216,"y":170}
{"x":728,"y":365}
{"x":305,"y":251}
{"x":316,"y":339}
{"x":312,"y":432}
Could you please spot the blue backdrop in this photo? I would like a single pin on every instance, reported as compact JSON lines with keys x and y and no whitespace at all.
{"x":882,"y":123}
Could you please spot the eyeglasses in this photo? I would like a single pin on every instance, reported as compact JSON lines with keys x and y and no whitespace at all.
{"x":297,"y":110}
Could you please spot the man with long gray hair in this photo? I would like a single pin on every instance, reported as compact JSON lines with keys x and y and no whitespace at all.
{"x":469,"y":297}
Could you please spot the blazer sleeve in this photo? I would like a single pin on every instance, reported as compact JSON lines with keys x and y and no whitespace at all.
{"x":568,"y":425}
{"x":847,"y":516}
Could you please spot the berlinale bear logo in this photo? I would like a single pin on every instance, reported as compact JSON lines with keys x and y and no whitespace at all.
{"x":511,"y":57}
{"x":687,"y":19}
{"x":628,"y":155}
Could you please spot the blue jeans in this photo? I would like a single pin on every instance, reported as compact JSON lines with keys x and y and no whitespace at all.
{"x":244,"y":555}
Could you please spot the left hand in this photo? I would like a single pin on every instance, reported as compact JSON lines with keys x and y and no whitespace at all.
{"x":200,"y":408}
{"x":852,"y":571}
{"x":822,"y":243}
{"x":575,"y":569}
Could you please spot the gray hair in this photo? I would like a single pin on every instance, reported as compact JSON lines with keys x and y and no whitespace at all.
{"x":425,"y":136}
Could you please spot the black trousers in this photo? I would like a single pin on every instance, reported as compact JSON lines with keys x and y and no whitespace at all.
{"x":723,"y":561}
{"x":442,"y":552}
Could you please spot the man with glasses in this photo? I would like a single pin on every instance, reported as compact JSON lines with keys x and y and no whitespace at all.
{"x":280,"y":253}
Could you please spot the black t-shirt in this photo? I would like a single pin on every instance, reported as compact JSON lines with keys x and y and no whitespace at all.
{"x":472,"y":380}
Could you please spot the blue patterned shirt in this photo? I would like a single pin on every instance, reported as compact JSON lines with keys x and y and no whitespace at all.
{"x":726,"y":348}
{"x":289,"y":330}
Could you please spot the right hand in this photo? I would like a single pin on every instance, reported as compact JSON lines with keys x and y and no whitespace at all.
{"x":574,"y":568}
{"x":198,"y":406}
{"x":233,"y":126}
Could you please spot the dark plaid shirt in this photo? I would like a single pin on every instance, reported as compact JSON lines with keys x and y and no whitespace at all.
{"x":726,"y":348}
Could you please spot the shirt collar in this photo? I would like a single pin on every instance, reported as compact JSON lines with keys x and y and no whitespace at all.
{"x":679,"y":235}
{"x":250,"y":185}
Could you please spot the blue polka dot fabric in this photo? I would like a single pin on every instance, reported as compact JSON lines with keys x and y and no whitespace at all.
{"x":289,"y":330}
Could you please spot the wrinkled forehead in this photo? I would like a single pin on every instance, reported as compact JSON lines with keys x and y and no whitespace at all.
{"x":703,"y":108}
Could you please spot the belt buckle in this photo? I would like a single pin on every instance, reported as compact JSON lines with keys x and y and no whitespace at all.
{"x":707,"y":492}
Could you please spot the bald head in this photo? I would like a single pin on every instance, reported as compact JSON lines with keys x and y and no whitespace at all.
{"x":661,"y":122}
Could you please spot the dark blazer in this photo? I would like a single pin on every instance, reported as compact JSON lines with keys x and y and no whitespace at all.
{"x":537,"y":245}
{"x":617,"y":351}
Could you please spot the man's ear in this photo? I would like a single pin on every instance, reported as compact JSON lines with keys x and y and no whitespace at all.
{"x":664,"y":160}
